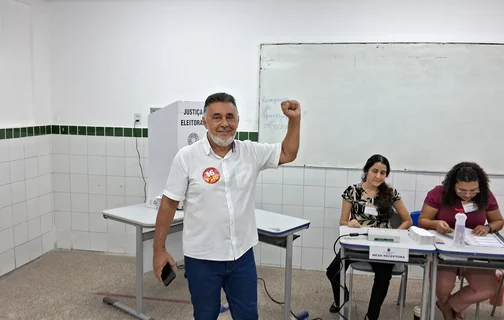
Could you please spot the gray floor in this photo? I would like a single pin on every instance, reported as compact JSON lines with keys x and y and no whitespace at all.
{"x":71,"y":284}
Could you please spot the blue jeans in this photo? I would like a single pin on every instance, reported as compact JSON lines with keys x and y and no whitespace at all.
{"x":237,"y":277}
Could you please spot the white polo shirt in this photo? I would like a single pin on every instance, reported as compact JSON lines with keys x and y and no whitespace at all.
{"x":219,"y":196}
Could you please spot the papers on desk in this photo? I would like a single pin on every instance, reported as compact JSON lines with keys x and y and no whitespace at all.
{"x":490,"y":240}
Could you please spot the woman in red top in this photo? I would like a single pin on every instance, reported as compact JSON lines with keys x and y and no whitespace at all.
{"x":465,"y":189}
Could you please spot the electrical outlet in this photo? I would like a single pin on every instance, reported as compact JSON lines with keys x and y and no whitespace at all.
{"x":137,"y":118}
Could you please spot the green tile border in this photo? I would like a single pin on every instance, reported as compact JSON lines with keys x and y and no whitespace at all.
{"x":21,"y":132}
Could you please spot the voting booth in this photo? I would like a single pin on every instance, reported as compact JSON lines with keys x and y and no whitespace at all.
{"x":170,"y":128}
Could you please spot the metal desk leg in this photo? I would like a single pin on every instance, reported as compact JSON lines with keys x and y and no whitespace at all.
{"x":138,"y":313}
{"x":342,"y":283}
{"x":425,"y":288}
{"x":288,"y":277}
{"x":498,"y":295}
{"x":433,"y":287}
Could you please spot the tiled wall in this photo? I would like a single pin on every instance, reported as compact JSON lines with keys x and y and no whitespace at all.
{"x":94,"y":168}
{"x":26,"y":200}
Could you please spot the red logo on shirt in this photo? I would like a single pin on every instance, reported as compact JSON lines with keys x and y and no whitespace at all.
{"x":211,"y":175}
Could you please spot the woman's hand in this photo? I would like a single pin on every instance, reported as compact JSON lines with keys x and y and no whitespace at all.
{"x":354,"y":224}
{"x":480,"y":231}
{"x":442,"y":227}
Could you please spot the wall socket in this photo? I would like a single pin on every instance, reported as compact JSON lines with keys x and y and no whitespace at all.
{"x":137,"y":119}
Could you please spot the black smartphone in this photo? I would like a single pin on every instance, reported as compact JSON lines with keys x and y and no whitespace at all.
{"x":168,"y":275}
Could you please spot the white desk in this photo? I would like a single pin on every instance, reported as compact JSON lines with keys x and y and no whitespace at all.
{"x":273,"y":228}
{"x":467,"y":256}
{"x":357,"y":249}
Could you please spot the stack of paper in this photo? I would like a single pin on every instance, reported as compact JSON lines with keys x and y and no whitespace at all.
{"x":490,"y":240}
{"x":421,"y":236}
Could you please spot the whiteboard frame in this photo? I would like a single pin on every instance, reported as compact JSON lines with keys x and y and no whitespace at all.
{"x":361,"y":42}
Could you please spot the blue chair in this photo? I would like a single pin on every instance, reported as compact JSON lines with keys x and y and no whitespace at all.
{"x":414,"y":216}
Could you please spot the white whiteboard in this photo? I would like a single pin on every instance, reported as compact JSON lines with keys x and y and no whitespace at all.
{"x":424,"y":106}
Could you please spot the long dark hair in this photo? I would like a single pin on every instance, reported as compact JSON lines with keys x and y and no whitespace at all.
{"x":384,"y":202}
{"x":465,"y":172}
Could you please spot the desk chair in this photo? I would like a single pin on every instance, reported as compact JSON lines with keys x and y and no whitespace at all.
{"x":398,"y":270}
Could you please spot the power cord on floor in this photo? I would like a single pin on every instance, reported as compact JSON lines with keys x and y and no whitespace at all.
{"x":342,"y":267}
{"x":140,"y":161}
{"x":279,"y":302}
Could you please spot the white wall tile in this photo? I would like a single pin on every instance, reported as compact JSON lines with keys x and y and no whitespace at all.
{"x":315,"y":215}
{"x":116,"y":166}
{"x":80,"y":221}
{"x":19,"y":213}
{"x":311,"y":258}
{"x":17,"y":170}
{"x":62,"y":220}
{"x":419,"y":200}
{"x":115,"y":201}
{"x":272,"y":194}
{"x":63,"y":240}
{"x":336,"y":178}
{"x":313,"y":237}
{"x":132,"y":167}
{"x":78,"y":164}
{"x":60,"y":144}
{"x":131,"y":147}
{"x":97,"y":223}
{"x":44,"y":165}
{"x":35,"y":248}
{"x":7,"y":262}
{"x":34,"y":229}
{"x":46,"y":203}
{"x":5,"y":173}
{"x":30,"y":147}
{"x":134,"y":200}
{"x":16,"y":149}
{"x":272,"y":176}
{"x":98,"y":241}
{"x":405,"y":181}
{"x":31,"y":168}
{"x":97,"y":184}
{"x":293,"y":176}
{"x":4,"y":151}
{"x":354,"y":176}
{"x":46,"y":222}
{"x":332,"y":217}
{"x":292,"y":195}
{"x":135,"y":186}
{"x":22,"y":253}
{"x":115,"y":243}
{"x":333,"y":197}
{"x":18,"y":192}
{"x":20,"y":234}
{"x":6,"y":239}
{"x":32,"y":188}
{"x":45,"y":183}
{"x":79,"y":202}
{"x":330,"y":236}
{"x":79,"y":183}
{"x":78,"y":145}
{"x":48,"y":242}
{"x":97,"y":203}
{"x":97,"y":165}
{"x":6,"y":218}
{"x":116,"y":185}
{"x":61,"y":182}
{"x":293,"y":211}
{"x":32,"y":208}
{"x":408,"y":198}
{"x":5,"y":195}
{"x":270,"y":255}
{"x":80,"y":240}
{"x":97,"y":146}
{"x":314,"y":196}
{"x":314,"y":177}
{"x":497,"y":185}
{"x":115,"y":146}
{"x":277,"y":208}
{"x":426,"y":182}
{"x":61,"y":201}
{"x":44,"y":145}
{"x":60,"y":163}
